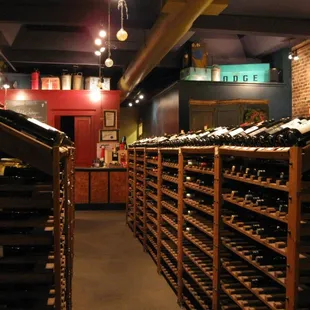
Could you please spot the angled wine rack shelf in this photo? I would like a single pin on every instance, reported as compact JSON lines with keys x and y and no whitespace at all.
{"x":216,"y":247}
{"x":37,"y":261}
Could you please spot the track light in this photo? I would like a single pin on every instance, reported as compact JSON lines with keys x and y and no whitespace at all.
{"x":102,"y":49}
{"x":293,"y":56}
{"x":97,"y":53}
{"x":98,"y":41}
{"x":102,"y":33}
{"x":130,"y":104}
{"x":141,"y":96}
{"x":137,"y":101}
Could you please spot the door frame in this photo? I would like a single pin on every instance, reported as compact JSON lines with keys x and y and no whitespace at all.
{"x":86,"y":113}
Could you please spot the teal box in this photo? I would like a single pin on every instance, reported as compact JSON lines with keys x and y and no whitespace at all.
{"x":249,"y":73}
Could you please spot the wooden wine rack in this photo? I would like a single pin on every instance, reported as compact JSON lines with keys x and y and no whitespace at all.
{"x":205,"y":250}
{"x":47,"y":283}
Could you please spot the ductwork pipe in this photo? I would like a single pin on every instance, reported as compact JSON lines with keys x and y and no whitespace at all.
{"x":166,"y":33}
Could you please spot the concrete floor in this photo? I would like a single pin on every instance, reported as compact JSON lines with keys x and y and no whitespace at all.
{"x":111,"y":271}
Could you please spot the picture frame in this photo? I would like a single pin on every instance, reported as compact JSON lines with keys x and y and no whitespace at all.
{"x":110,"y":119}
{"x":109,"y":135}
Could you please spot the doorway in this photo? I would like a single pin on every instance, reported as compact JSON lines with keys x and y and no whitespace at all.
{"x":78,"y":128}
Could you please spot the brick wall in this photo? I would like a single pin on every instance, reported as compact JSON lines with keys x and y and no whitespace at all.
{"x":301,"y":80}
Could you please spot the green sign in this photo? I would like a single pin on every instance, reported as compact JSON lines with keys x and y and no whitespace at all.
{"x":247,"y":73}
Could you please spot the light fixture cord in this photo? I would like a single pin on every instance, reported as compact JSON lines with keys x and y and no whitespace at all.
{"x":109,"y":29}
{"x":121,"y":5}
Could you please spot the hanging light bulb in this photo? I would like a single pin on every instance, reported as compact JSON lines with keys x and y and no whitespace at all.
{"x":97,"y":53}
{"x":98,"y":41}
{"x":122,"y":34}
{"x":109,"y":62}
{"x":102,"y":49}
{"x":102,"y":33}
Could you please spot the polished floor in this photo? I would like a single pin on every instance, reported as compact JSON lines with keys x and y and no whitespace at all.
{"x":111,"y":271}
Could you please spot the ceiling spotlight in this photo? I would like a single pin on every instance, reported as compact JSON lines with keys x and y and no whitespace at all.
{"x":141,"y":96}
{"x":97,"y":53}
{"x":102,"y":49}
{"x":137,"y":101}
{"x":130,"y":104}
{"x":98,"y":41}
{"x":102,"y":33}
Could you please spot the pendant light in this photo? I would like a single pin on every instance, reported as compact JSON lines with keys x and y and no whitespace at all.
{"x":109,"y":62}
{"x":122,"y":34}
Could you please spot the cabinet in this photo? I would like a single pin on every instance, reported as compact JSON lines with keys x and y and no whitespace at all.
{"x":215,"y":113}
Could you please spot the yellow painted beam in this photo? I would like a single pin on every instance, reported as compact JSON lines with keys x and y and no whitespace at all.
{"x":216,"y":8}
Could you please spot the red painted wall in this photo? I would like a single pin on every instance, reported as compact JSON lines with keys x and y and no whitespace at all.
{"x":71,"y":102}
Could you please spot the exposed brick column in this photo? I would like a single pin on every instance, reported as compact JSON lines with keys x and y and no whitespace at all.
{"x":301,"y":80}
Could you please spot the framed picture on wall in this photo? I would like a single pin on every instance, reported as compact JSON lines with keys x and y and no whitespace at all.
{"x":108,"y":135}
{"x":110,"y":119}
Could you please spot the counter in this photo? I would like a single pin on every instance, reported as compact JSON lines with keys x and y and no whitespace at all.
{"x":100,"y":188}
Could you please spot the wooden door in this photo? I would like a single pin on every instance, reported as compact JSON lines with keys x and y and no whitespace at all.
{"x":228,"y":115}
{"x":201,"y":116}
{"x":82,"y":137}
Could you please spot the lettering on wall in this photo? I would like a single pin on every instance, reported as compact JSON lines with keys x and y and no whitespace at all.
{"x":240,"y":78}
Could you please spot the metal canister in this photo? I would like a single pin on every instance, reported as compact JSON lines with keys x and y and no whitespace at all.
{"x":66,"y":81}
{"x":78,"y":81}
{"x":215,"y":73}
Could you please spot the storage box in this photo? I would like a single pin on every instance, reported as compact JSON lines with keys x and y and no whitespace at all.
{"x":91,"y":83}
{"x":50,"y":83}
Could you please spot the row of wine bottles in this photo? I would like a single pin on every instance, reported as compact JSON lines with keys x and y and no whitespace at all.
{"x":40,"y":131}
{"x":285,"y":132}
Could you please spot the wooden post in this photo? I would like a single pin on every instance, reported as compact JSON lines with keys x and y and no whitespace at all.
{"x":293,"y":237}
{"x":180,"y":226}
{"x":134,"y":195}
{"x":216,"y":227}
{"x":144,"y":200}
{"x":159,"y":208}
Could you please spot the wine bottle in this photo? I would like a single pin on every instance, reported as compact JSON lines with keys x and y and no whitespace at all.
{"x":299,"y":135}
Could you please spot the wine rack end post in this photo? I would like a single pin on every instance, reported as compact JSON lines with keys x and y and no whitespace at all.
{"x":144,"y":200}
{"x":294,"y":217}
{"x":217,"y":226}
{"x":159,"y":209}
{"x":180,"y":225}
{"x":134,"y":195}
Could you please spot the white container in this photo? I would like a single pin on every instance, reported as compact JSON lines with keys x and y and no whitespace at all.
{"x":91,"y":83}
{"x":215,"y":74}
{"x":78,"y":81}
{"x":106,"y":84}
{"x":66,"y":81}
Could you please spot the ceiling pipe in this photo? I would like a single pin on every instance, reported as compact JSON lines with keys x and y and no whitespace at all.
{"x":166,"y":33}
{"x":9,"y":63}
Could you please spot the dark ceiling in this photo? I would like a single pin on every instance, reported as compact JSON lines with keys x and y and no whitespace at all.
{"x":56,"y":34}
